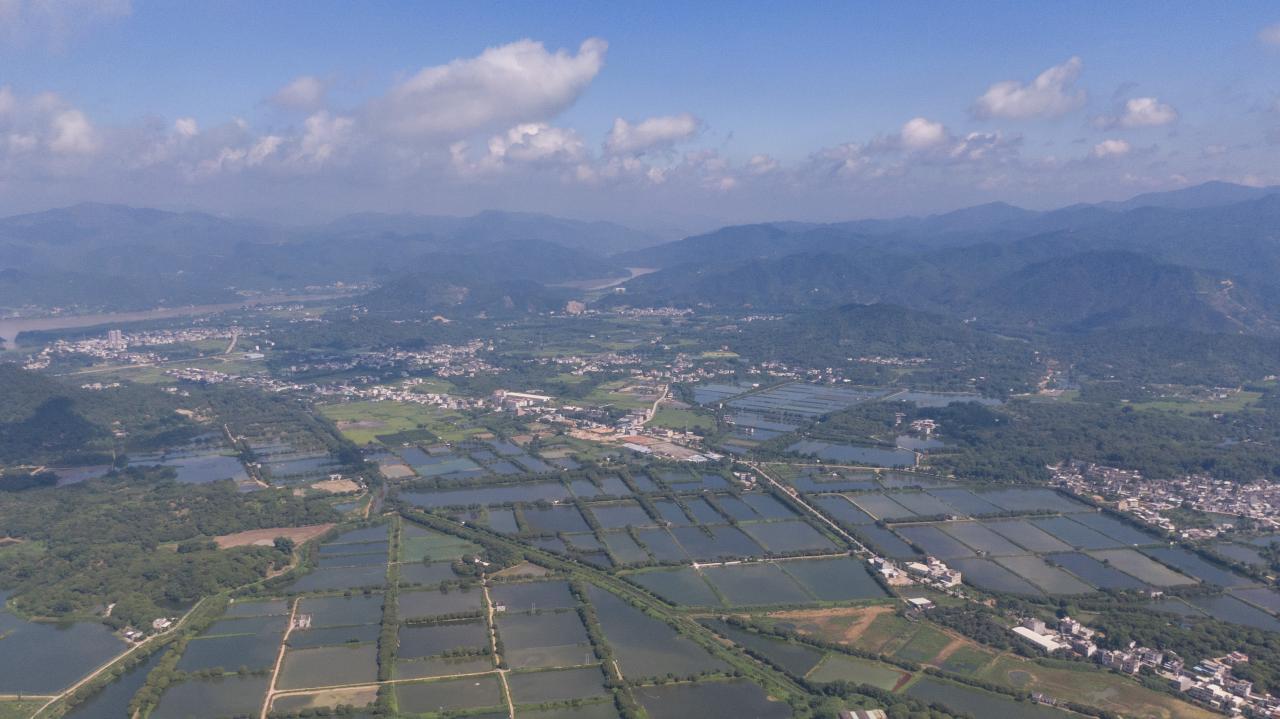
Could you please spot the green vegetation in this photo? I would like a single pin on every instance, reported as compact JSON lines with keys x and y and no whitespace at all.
{"x":102,"y":543}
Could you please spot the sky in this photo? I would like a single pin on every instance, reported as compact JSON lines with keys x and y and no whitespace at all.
{"x":659,"y":115}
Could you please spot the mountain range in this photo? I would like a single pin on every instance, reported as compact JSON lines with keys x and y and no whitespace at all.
{"x":1204,"y":259}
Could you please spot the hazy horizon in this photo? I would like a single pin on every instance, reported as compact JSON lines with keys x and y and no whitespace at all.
{"x":676,"y":118}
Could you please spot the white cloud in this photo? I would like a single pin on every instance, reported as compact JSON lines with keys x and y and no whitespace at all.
{"x":515,"y":83}
{"x":920,"y":134}
{"x":1270,"y":35}
{"x":186,"y":127}
{"x":650,"y":134}
{"x":1053,"y":93}
{"x":1111,"y":148}
{"x":761,"y":165}
{"x":73,"y":134}
{"x":323,"y":137}
{"x":304,"y":93}
{"x":538,"y":143}
{"x":1140,"y":112}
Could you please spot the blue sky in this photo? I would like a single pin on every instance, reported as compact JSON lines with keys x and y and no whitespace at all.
{"x":731,"y":111}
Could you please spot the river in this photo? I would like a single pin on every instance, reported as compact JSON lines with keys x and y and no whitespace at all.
{"x":11,"y":327}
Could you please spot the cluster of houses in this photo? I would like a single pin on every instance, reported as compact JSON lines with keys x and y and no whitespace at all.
{"x":1210,"y":681}
{"x":1150,"y":499}
{"x":932,"y":571}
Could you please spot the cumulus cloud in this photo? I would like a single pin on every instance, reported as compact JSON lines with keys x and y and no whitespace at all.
{"x":1140,"y":112}
{"x":303,"y":93}
{"x":1053,"y":93}
{"x":186,"y":127}
{"x":761,"y":164}
{"x":1111,"y":148}
{"x":518,"y":82}
{"x":653,"y":133}
{"x":45,"y":121}
{"x":1270,"y":35}
{"x":920,"y":133}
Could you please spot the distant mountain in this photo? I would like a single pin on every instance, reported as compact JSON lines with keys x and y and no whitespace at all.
{"x":459,"y":233}
{"x":502,"y":278}
{"x":956,"y":353}
{"x":115,"y":257}
{"x":1209,"y":194}
{"x":106,"y":256}
{"x":452,"y":295}
{"x":1115,"y":289}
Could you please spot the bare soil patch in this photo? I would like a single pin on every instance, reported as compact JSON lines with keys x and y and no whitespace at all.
{"x":523,"y":569}
{"x":336,"y":486}
{"x":844,"y":624}
{"x":264,"y":537}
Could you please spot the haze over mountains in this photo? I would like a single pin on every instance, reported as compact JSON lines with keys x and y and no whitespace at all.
{"x":1205,"y":259}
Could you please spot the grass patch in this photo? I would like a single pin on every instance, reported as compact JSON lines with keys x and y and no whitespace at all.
{"x":884,"y":630}
{"x":923,"y":646}
{"x":363,"y":422}
{"x":1236,"y":402}
{"x":19,"y":709}
{"x":839,"y":667}
{"x":1092,"y":687}
{"x":433,"y":545}
{"x":967,"y":660}
{"x":683,"y":419}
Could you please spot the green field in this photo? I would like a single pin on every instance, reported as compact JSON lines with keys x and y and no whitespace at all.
{"x":1092,"y":687}
{"x":608,"y":394}
{"x":1234,"y":403}
{"x":923,"y":646}
{"x":840,"y":667}
{"x":362,"y":422}
{"x":435,"y":546}
{"x":18,"y":709}
{"x":682,"y":419}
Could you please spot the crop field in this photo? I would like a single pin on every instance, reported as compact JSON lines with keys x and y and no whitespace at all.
{"x":1061,"y":547}
{"x":364,"y":422}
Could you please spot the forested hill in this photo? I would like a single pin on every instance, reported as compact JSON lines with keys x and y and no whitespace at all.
{"x":114,"y":257}
{"x":46,"y":421}
{"x":954,"y":353}
{"x":1172,"y":262}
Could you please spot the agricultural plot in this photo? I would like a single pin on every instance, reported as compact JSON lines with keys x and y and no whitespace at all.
{"x":1142,"y":568}
{"x":1093,"y":571}
{"x":855,"y":670}
{"x":1194,"y":566}
{"x":1052,"y":580}
{"x":418,"y":641}
{"x":556,"y":686}
{"x":532,"y":596}
{"x":935,"y":543}
{"x":418,"y":544}
{"x":1027,"y":535}
{"x":426,"y":573}
{"x":335,"y":665}
{"x":450,"y":694}
{"x":544,"y":639}
{"x":981,"y":539}
{"x":796,"y":581}
{"x":788,"y":536}
{"x":755,"y":584}
{"x":710,"y":700}
{"x":229,"y":696}
{"x":428,"y":603}
{"x":986,"y":574}
{"x":229,"y":653}
{"x":646,"y":647}
{"x":1228,"y":608}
